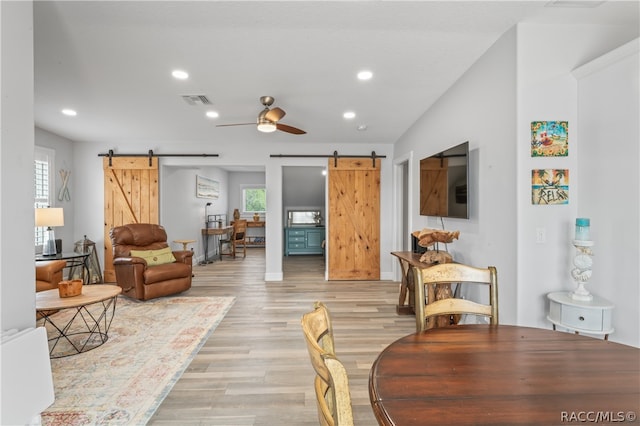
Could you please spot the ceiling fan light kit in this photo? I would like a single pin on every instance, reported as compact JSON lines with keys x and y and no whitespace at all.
{"x":266,"y":126}
{"x":268,"y":118}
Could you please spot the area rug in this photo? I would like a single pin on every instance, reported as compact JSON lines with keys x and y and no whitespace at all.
{"x":124,"y":381}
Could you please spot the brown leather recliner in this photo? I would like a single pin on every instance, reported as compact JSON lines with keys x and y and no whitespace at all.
{"x":140,"y":280}
{"x":49,"y":274}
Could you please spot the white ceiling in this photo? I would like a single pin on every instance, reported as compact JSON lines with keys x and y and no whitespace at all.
{"x":112,"y":62}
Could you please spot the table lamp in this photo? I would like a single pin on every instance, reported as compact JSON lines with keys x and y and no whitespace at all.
{"x":49,"y":217}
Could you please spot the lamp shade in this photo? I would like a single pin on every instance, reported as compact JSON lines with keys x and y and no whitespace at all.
{"x":50,"y":217}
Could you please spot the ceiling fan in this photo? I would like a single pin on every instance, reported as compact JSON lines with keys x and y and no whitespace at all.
{"x":268,"y":119}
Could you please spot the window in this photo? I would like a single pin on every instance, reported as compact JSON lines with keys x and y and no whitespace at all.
{"x":254,"y":199}
{"x":43,"y":181}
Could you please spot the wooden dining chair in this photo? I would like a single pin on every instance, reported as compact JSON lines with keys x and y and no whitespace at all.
{"x":237,"y":237}
{"x":427,"y":309}
{"x":331,"y":382}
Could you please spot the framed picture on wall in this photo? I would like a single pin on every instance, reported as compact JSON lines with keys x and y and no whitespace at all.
{"x":549,"y":138}
{"x":549,"y":186}
{"x":207,"y":188}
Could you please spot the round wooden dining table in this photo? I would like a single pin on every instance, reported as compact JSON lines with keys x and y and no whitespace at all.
{"x":504,"y":375}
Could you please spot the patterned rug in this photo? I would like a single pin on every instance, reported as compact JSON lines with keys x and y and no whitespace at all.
{"x":124,"y":381}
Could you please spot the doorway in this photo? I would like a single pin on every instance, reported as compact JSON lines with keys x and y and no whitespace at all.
{"x":304,"y":189}
{"x":402,"y":189}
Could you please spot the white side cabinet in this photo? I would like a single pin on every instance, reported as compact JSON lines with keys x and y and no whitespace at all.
{"x":591,"y":317}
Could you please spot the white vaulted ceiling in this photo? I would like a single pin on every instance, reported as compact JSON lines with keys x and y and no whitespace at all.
{"x":112,"y":63}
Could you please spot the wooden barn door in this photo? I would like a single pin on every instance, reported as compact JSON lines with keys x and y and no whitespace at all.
{"x":433,"y":187}
{"x":354,"y":219}
{"x":130,"y":196}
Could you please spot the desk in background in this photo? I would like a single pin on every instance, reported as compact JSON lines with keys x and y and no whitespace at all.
{"x":255,"y":240}
{"x":488,"y":375}
{"x":216,"y":233}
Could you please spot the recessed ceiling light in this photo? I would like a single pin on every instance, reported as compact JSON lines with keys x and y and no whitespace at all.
{"x":349,"y":115}
{"x":362,"y":127}
{"x":180,"y":75}
{"x":69,"y":112}
{"x":212,"y":114}
{"x":365,"y":75}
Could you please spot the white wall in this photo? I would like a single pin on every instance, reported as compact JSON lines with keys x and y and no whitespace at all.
{"x":608,"y":105}
{"x":17,"y":272}
{"x":480,"y":108}
{"x":548,"y":91}
{"x":89,"y":213}
{"x":237,"y":181}
{"x":182,"y":213}
{"x":63,"y":160}
{"x":526,"y":76}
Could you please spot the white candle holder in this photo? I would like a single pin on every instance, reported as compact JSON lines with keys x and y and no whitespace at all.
{"x":582,"y":271}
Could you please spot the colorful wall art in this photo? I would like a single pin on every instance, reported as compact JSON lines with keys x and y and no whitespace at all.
{"x":549,"y":186}
{"x":549,"y":138}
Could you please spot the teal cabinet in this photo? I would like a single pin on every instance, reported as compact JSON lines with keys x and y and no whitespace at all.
{"x":303,"y":240}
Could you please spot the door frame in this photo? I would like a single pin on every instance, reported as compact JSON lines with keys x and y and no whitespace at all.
{"x":402,"y":218}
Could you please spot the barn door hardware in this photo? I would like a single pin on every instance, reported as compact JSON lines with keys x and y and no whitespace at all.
{"x":335,"y":156}
{"x":151,"y":154}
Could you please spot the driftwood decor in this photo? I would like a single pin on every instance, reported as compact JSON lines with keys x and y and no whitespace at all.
{"x":427,"y":237}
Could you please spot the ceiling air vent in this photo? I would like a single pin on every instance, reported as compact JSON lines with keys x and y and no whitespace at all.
{"x":196,"y":99}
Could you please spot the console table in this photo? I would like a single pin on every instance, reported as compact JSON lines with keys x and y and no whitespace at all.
{"x":408,"y":259}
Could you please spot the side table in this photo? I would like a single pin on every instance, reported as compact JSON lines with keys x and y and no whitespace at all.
{"x":87,"y":324}
{"x":591,"y":317}
{"x":73,"y":260}
{"x":184,"y":243}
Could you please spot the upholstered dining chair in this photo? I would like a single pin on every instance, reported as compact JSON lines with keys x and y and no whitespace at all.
{"x":331,"y":383}
{"x":446,"y":273}
{"x":237,"y":237}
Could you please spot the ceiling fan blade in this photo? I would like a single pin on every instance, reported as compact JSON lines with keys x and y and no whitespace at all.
{"x":235,"y":124}
{"x":275,"y":114}
{"x":290,"y":129}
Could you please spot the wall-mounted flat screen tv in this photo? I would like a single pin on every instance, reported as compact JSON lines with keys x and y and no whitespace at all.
{"x":444,"y":179}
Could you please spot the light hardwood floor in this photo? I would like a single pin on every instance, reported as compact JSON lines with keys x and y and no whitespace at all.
{"x":254,"y":369}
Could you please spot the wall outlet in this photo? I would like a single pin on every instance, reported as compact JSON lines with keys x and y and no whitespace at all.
{"x":541,"y":235}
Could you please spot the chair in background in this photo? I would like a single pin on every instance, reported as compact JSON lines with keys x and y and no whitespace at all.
{"x":237,"y":237}
{"x":331,"y":382}
{"x":144,"y":264}
{"x":49,"y":274}
{"x":426,"y":312}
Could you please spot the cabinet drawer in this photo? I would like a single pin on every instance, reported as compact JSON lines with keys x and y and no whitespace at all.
{"x":296,"y":245}
{"x":295,"y":239}
{"x":296,"y":232}
{"x":584,"y":318}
